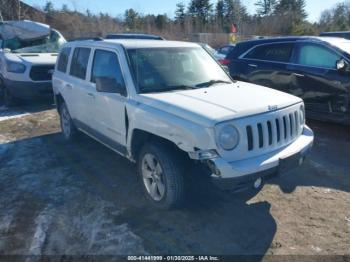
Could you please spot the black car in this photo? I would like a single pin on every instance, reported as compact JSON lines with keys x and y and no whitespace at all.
{"x":134,"y":36}
{"x":313,"y":68}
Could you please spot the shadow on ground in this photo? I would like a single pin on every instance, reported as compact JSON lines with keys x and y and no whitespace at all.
{"x":211,"y":223}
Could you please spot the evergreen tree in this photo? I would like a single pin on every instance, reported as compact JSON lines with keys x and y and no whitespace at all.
{"x":49,"y":8}
{"x":180,"y":14}
{"x":131,"y":18}
{"x":265,"y":7}
{"x":200,"y":10}
{"x":219,"y":13}
{"x":295,"y":9}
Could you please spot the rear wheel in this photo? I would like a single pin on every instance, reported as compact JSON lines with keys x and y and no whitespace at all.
{"x":9,"y":100}
{"x":69,"y":130}
{"x":161,"y":173}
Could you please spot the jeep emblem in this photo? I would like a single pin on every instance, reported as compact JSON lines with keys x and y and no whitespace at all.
{"x":272,"y":108}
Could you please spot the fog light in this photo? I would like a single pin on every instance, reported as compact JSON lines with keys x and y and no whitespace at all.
{"x":257,"y":183}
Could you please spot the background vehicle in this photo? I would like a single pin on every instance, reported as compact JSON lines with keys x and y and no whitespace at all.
{"x":134,"y":36}
{"x":223,"y":51}
{"x":313,"y":68}
{"x":28,"y":55}
{"x":168,"y":116}
{"x":342,"y":34}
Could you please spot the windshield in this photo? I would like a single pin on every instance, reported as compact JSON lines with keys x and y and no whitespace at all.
{"x":49,"y":44}
{"x":167,"y":69}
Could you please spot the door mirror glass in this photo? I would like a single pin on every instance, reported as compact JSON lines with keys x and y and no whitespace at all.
{"x":342,"y":65}
{"x":109,"y":85}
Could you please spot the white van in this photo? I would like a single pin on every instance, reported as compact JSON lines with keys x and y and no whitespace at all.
{"x":28,"y":53}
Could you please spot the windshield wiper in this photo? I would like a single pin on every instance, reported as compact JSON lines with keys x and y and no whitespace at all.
{"x":213,"y":82}
{"x":167,"y":89}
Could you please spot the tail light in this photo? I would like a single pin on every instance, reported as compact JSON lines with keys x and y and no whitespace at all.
{"x":224,"y":61}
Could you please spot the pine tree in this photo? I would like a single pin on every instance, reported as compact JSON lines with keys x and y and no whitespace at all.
{"x":180,"y":14}
{"x":219,"y":13}
{"x":131,"y":19}
{"x":293,"y":8}
{"x":265,"y":7}
{"x":49,"y":8}
{"x":200,"y":10}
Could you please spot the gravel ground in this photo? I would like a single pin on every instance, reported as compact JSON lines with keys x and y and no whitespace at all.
{"x":81,"y":198}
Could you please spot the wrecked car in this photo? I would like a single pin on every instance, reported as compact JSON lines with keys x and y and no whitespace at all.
{"x":169,"y":105}
{"x":28,"y":53}
{"x":313,"y":68}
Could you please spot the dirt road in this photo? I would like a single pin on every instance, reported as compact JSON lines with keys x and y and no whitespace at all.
{"x":81,"y":198}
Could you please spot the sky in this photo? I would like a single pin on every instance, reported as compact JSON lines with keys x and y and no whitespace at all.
{"x":117,"y":7}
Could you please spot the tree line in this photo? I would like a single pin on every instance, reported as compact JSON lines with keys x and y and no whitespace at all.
{"x":272,"y":18}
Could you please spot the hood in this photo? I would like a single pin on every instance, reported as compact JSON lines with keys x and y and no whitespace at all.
{"x":209,"y":106}
{"x":24,"y":30}
{"x":32,"y":58}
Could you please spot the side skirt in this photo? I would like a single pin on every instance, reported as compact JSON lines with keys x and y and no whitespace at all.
{"x":116,"y":147}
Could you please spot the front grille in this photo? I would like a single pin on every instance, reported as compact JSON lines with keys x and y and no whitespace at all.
{"x":41,"y":72}
{"x":277,"y":130}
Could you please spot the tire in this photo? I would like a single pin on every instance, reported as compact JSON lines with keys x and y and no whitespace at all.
{"x":9,"y":100}
{"x":68,"y":128}
{"x":163,"y":182}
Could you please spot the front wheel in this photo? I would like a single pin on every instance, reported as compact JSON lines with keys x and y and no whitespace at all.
{"x":161,"y":173}
{"x":69,"y":130}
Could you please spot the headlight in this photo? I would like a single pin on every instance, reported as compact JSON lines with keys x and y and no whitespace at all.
{"x":227,"y":137}
{"x":15,"y":67}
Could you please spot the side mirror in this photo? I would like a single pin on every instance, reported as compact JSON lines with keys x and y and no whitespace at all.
{"x":342,"y":65}
{"x":109,"y":85}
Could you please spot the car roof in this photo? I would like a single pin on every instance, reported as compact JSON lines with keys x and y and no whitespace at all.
{"x":133,"y":43}
{"x":133,"y":35}
{"x":295,"y":39}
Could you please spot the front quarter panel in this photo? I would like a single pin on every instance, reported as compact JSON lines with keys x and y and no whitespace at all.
{"x":187,"y":135}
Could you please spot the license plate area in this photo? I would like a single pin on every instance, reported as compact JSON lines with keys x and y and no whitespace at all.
{"x":290,"y":162}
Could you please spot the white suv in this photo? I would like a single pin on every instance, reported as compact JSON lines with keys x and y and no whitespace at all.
{"x":166,"y":105}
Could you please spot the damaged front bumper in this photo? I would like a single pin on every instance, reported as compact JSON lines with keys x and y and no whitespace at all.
{"x":230,"y":175}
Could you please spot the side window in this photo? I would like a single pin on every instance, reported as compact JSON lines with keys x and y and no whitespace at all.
{"x":318,"y":56}
{"x":63,"y":59}
{"x":80,"y":62}
{"x":106,"y":65}
{"x":272,"y":52}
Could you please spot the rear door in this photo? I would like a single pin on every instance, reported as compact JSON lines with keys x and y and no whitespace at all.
{"x":267,"y":65}
{"x":317,"y":80}
{"x":78,"y":87}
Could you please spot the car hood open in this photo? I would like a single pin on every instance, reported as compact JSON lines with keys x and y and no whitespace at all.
{"x":221,"y":102}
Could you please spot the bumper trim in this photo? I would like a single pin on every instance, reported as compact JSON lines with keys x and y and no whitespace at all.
{"x":29,"y":89}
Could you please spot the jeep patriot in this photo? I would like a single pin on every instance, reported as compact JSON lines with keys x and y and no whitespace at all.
{"x":167,"y":104}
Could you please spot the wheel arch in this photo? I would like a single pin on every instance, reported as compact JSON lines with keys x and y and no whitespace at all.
{"x":140,"y":137}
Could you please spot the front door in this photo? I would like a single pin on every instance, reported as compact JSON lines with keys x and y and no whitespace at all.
{"x":109,"y":113}
{"x":317,"y":81}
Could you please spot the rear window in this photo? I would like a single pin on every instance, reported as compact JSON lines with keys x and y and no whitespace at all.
{"x":80,"y":62}
{"x":272,"y":52}
{"x":63,"y":59}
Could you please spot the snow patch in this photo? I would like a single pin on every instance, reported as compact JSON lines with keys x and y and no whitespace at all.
{"x":43,"y":222}
{"x":6,"y":113}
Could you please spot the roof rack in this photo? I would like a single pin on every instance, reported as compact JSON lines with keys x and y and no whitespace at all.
{"x":86,"y":38}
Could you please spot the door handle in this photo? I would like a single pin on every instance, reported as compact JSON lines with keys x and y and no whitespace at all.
{"x":298,"y":75}
{"x":69,"y":86}
{"x":253,"y":65}
{"x":91,"y":95}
